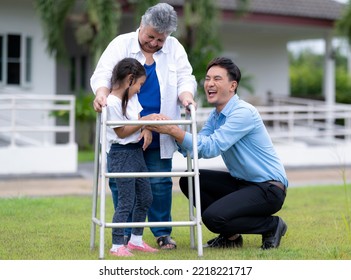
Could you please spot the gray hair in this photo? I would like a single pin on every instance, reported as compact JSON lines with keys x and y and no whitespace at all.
{"x":162,"y":17}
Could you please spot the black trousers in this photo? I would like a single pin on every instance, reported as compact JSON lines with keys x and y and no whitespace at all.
{"x":230,"y":206}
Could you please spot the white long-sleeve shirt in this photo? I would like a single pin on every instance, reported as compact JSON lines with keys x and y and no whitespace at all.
{"x":173,"y":70}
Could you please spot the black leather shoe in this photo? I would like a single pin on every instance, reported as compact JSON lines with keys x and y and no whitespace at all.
{"x":222,"y":242}
{"x":272,"y":240}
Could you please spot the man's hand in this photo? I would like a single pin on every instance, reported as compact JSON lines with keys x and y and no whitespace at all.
{"x":163,"y":128}
{"x":171,"y":129}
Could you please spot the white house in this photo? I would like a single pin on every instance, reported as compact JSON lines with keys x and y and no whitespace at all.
{"x":256,"y":41}
{"x":28,"y":91}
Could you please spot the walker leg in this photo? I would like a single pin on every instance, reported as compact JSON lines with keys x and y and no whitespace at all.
{"x":96,"y":181}
{"x":194,"y":189}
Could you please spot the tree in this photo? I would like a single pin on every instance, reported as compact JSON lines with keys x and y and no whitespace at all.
{"x":343,"y":25}
{"x":95,"y":23}
{"x":306,"y":76}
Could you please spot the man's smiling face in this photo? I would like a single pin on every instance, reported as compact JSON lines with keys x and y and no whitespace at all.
{"x":219,"y":89}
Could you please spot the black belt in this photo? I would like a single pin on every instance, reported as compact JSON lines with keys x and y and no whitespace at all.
{"x":278,"y":184}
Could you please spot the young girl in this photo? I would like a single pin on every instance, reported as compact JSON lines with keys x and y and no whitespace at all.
{"x":125,"y":154}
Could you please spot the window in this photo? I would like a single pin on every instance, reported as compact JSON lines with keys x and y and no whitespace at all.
{"x":15,"y":60}
{"x":78,"y":73}
{"x":73,"y":74}
{"x":83,"y":72}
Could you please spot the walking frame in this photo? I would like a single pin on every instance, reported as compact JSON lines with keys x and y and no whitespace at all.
{"x":100,"y":171}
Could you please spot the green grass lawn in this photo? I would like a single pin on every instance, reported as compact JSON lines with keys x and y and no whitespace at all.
{"x":86,"y":155}
{"x":58,"y":228}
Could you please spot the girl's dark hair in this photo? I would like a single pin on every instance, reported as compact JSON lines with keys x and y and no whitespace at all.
{"x":233,"y":70}
{"x":122,"y":69}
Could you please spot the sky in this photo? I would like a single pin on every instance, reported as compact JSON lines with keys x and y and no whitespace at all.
{"x":318,"y":46}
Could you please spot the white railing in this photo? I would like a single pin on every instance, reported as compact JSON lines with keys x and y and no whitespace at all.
{"x":29,"y":120}
{"x":301,"y":120}
{"x":309,"y":120}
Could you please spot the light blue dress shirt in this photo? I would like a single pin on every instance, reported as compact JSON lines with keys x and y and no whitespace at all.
{"x":239,"y":135}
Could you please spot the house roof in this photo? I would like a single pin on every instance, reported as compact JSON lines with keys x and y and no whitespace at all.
{"x":317,"y":9}
{"x":321,"y":9}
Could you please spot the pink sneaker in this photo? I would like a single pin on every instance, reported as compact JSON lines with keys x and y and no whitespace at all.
{"x":121,"y":252}
{"x":144,"y":248}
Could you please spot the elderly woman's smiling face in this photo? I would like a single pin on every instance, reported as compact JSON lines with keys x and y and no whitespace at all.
{"x":151,"y":41}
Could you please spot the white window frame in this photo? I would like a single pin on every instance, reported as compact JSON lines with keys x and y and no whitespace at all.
{"x":27,"y":61}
